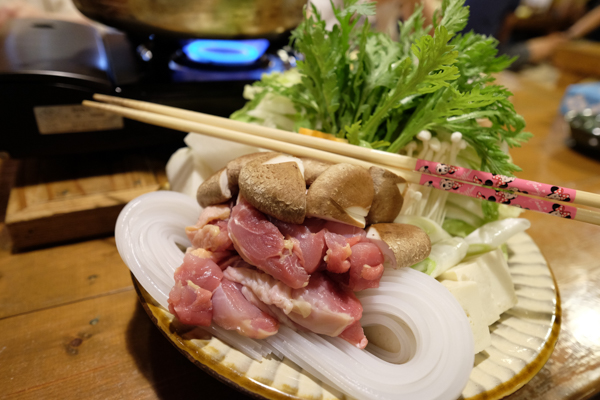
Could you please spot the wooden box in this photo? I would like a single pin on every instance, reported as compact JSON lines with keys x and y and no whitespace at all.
{"x":60,"y":199}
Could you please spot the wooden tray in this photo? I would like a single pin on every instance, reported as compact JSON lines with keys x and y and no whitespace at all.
{"x":68,"y":198}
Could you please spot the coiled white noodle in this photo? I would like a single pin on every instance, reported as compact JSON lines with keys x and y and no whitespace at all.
{"x":400,"y":331}
{"x":436,"y":343}
{"x":148,"y":234}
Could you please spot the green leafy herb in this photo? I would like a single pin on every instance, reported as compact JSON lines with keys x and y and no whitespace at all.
{"x":361,"y":85}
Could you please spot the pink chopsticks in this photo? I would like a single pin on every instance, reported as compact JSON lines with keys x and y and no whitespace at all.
{"x":535,"y":196}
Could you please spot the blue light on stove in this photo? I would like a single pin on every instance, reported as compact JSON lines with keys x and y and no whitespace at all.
{"x":226,"y":52}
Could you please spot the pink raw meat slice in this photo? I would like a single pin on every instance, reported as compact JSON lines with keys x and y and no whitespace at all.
{"x":348,"y":231}
{"x":311,"y":245}
{"x":232,"y":311}
{"x":337,"y":253}
{"x":233,"y":261}
{"x":190,"y":304}
{"x":195,"y":280}
{"x":260,"y":243}
{"x":210,"y":232}
{"x":200,"y":269}
{"x":322,"y":307}
{"x":354,"y":334}
{"x":366,"y":267}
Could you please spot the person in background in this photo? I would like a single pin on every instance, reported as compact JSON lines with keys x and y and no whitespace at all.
{"x":496,"y":18}
{"x":487,"y":17}
{"x":588,"y":24}
{"x":388,"y":13}
{"x":62,"y":9}
{"x":386,"y":19}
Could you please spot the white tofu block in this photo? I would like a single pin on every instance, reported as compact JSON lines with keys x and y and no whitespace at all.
{"x":503,"y":288}
{"x":490,"y":272}
{"x":471,"y":271}
{"x":467,"y":294}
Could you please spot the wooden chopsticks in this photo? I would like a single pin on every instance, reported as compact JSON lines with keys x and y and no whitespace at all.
{"x":534,"y":196}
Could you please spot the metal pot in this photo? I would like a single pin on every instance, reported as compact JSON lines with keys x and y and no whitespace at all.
{"x":223,"y":19}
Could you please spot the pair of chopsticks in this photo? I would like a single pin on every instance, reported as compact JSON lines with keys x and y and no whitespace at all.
{"x":535,"y":196}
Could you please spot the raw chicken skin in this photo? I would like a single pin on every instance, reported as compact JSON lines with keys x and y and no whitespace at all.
{"x":322,"y":307}
{"x":333,"y":308}
{"x":232,"y":311}
{"x":272,"y":310}
{"x":213,"y":213}
{"x":260,"y":243}
{"x":268,"y":289}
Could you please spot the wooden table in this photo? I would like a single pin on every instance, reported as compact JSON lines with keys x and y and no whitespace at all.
{"x":71,"y":326}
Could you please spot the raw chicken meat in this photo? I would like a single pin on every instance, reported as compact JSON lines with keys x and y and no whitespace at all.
{"x":232,"y":311}
{"x":195,"y":280}
{"x":322,"y":307}
{"x":260,"y":243}
{"x":337,"y":254}
{"x":210,"y":232}
{"x":366,"y":266}
{"x":250,"y":272}
{"x":311,"y":244}
{"x":191,"y":304}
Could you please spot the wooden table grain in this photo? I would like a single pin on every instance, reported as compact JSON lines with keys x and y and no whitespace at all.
{"x":71,"y":326}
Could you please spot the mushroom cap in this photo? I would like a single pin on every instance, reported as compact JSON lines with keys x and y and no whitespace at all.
{"x":313,"y":168}
{"x":343,"y":193}
{"x":387,"y":201}
{"x":215,"y":190}
{"x":409,"y":243}
{"x":234,"y":166}
{"x":277,"y":189}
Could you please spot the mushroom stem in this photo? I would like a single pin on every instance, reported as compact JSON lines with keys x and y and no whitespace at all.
{"x":424,"y":137}
{"x":410,"y":148}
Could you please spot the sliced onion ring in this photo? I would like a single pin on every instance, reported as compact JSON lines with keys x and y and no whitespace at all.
{"x":150,"y":230}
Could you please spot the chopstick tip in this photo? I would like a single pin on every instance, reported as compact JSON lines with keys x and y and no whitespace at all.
{"x":94,"y":104}
{"x":99,"y":96}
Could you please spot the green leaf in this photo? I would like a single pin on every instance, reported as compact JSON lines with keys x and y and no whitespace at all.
{"x":433,"y":70}
{"x":376,"y":92}
{"x":454,"y":15}
{"x":490,"y":211}
{"x":457,"y":227}
{"x":352,"y":133}
{"x":355,"y":7}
